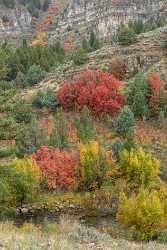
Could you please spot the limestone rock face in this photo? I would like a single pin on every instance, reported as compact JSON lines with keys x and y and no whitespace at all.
{"x":14,"y":23}
{"x":14,"y":20}
{"x":104,"y":16}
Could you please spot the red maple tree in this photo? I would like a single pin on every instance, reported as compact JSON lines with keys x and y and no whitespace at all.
{"x":100,"y":91}
{"x":156,"y":84}
{"x":59,"y":168}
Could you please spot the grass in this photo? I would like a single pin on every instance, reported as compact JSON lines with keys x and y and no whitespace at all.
{"x":67,"y":235}
{"x":7,"y":151}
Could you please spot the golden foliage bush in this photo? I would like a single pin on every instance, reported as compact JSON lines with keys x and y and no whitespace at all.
{"x":145,"y":213}
{"x":139,"y":167}
{"x":94,"y":165}
{"x":24,"y":180}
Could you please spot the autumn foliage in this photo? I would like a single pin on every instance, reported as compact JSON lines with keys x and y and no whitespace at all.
{"x":117,"y":2}
{"x":119,"y":68}
{"x":144,"y":213}
{"x":155,"y":86}
{"x":83,"y":169}
{"x":99,"y":91}
{"x":58,"y":167}
{"x":138,"y":166}
{"x":95,"y":163}
{"x":41,"y":25}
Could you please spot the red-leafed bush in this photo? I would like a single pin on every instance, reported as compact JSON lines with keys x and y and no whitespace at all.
{"x":101,"y":92}
{"x":156,"y":84}
{"x":117,"y":2}
{"x":119,"y":68}
{"x":59,"y":168}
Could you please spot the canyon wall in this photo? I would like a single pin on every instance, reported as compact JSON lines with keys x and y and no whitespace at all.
{"x":14,"y":23}
{"x":104,"y":16}
{"x":81,"y":17}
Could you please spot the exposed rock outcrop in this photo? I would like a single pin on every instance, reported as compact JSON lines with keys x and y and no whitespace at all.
{"x":14,"y":23}
{"x":104,"y":16}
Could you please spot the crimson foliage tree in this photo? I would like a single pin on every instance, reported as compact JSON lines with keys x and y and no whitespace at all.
{"x":59,"y":168}
{"x":156,"y":84}
{"x":99,"y":91}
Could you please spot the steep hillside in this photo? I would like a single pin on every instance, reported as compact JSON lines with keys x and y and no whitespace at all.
{"x":146,"y":54}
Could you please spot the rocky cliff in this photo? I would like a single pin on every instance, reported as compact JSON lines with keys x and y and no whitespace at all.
{"x":15,"y":22}
{"x":81,"y":17}
{"x":104,"y":16}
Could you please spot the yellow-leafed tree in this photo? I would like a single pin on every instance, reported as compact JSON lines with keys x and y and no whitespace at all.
{"x":140,"y":167}
{"x":144,"y":214}
{"x":94,"y":165}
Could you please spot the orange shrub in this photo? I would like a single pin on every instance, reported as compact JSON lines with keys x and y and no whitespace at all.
{"x":59,"y":168}
{"x":156,"y":84}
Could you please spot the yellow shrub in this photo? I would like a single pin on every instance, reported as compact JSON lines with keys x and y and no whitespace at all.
{"x":94,"y":164}
{"x":139,"y":166}
{"x":24,"y":180}
{"x":89,"y":153}
{"x":144,"y":212}
{"x":27,"y":167}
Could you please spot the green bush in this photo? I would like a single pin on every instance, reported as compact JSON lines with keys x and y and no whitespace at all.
{"x":7,"y":151}
{"x":137,"y":26}
{"x":126,"y":35}
{"x":7,"y":213}
{"x":20,"y":80}
{"x":45,"y":99}
{"x":6,"y":85}
{"x":29,"y":138}
{"x":84,"y":126}
{"x":161,"y":118}
{"x":85,"y":45}
{"x":80,"y":57}
{"x":35,"y":74}
{"x":24,"y":180}
{"x":59,"y":136}
{"x":94,"y":42}
{"x":18,"y":181}
{"x":125,"y":123}
{"x":5,"y":174}
{"x":8,"y":128}
{"x":7,"y":99}
{"x":138,"y":95}
{"x":117,"y":147}
{"x":22,"y":111}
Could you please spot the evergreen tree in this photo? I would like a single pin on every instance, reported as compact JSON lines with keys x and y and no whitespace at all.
{"x":138,"y":94}
{"x":126,"y":35}
{"x":59,"y":136}
{"x":85,"y":126}
{"x":94,"y":42}
{"x":125,"y":123}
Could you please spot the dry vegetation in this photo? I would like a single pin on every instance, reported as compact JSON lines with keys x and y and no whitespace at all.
{"x":66,"y":235}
